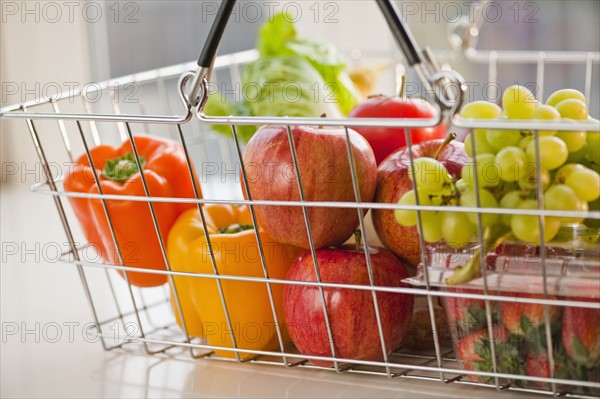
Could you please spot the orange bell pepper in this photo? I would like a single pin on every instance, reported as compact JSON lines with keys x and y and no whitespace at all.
{"x":165,"y":170}
{"x":235,"y":249}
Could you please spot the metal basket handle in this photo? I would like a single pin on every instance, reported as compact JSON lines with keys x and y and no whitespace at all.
{"x":437,"y":80}
{"x":402,"y":34}
{"x":209,"y":51}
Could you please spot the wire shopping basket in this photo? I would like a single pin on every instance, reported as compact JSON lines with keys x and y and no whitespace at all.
{"x":142,"y":316}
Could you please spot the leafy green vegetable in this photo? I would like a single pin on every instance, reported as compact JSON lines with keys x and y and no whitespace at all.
{"x":217,"y":105}
{"x":293,"y":77}
{"x":286,"y":86}
{"x":278,"y":38}
{"x":273,"y":34}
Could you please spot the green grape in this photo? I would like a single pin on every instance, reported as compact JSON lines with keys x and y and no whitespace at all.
{"x":529,"y":180}
{"x":578,"y":156}
{"x":518,"y":102}
{"x":525,"y":142}
{"x":593,"y":142}
{"x":481,"y":144}
{"x":565,"y":171}
{"x":573,"y":109}
{"x":561,"y":197}
{"x":406,"y":217}
{"x":457,"y":230}
{"x":487,"y":200}
{"x":480,"y":110}
{"x":553,"y":152}
{"x":511,"y":200}
{"x":461,"y":185}
{"x":585,"y":183}
{"x":527,"y":227}
{"x":512,"y":162}
{"x":574,"y":140}
{"x":499,"y":139}
{"x":431,"y":224}
{"x":564,"y":94}
{"x":595,"y":207}
{"x":488,"y":174}
{"x":546,"y":113}
{"x":431,"y":175}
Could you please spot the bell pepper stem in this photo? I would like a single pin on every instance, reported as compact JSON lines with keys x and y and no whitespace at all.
{"x":122,"y":168}
{"x":235,"y":228}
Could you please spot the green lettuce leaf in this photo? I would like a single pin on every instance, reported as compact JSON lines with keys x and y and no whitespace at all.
{"x":278,"y":38}
{"x":217,"y":105}
{"x":293,"y":77}
{"x":286,"y":86}
{"x":273,"y":34}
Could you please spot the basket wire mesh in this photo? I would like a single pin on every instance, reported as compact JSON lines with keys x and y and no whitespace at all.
{"x":137,"y":316}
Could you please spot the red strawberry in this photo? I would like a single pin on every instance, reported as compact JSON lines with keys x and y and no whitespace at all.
{"x":474,"y":350}
{"x":581,"y":334}
{"x":527,"y":319}
{"x":537,"y":366}
{"x":465,"y":315}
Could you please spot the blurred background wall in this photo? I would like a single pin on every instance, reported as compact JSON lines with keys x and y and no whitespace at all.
{"x":43,"y":43}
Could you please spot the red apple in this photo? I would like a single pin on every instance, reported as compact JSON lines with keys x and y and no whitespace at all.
{"x":351,"y":312}
{"x":325,"y":175}
{"x":393,"y":182}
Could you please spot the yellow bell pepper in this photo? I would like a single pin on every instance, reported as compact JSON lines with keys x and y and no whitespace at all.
{"x":235,"y":249}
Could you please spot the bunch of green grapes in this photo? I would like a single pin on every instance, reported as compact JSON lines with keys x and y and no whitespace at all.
{"x":509,"y":167}
{"x":434,"y":186}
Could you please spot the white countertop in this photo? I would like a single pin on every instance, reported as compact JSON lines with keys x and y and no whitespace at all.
{"x":45,"y":352}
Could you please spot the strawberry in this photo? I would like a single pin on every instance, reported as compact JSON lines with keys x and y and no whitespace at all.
{"x":474,"y":350}
{"x":581,"y":334}
{"x":465,"y":315}
{"x":537,"y":366}
{"x":527,"y":319}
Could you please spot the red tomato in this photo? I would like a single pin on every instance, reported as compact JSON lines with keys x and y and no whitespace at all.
{"x":385,"y":140}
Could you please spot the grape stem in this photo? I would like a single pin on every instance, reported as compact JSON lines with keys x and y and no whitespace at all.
{"x":464,"y":274}
{"x":444,"y":144}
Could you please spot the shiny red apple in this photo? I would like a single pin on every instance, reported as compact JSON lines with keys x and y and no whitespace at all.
{"x":351,"y":312}
{"x":393,"y":182}
{"x":325,"y":175}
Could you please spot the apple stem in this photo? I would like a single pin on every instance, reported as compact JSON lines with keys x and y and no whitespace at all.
{"x":323,"y":115}
{"x":401,"y":70}
{"x":445,"y":143}
{"x":357,"y":239}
